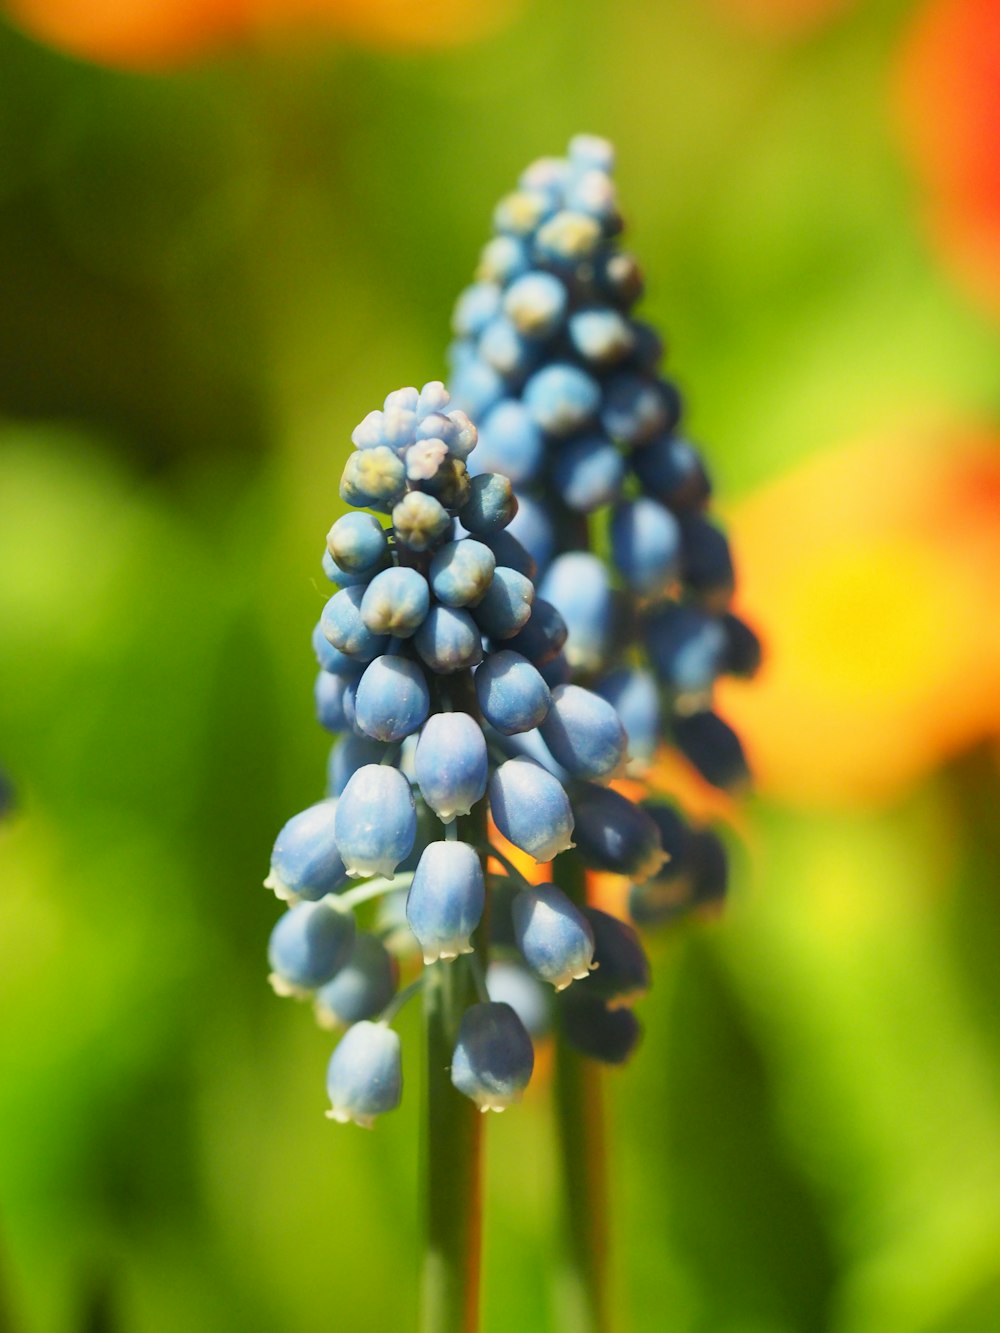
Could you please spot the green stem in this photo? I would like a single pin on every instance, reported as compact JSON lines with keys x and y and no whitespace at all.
{"x":452,"y":1158}
{"x":585,"y":1297}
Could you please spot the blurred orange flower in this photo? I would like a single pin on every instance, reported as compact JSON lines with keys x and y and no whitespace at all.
{"x":872,"y":573}
{"x":949,"y":94}
{"x":163,"y":34}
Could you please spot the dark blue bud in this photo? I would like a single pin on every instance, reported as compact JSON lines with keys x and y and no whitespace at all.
{"x":420,"y":521}
{"x":508,"y":551}
{"x":493,"y":1058}
{"x":584,"y":734}
{"x":562,"y":398}
{"x":687,"y":647}
{"x":329,"y":692}
{"x":543,"y":636}
{"x":672,"y":471}
{"x":556,"y":672}
{"x":647,"y":352}
{"x":491,"y":504}
{"x":709,"y":868}
{"x":646,"y":546}
{"x":307,"y":946}
{"x":365,"y":1075}
{"x":713,"y":748}
{"x":451,"y":764}
{"x":622,"y":974}
{"x":361,"y":988}
{"x":512,"y":695}
{"x":614,"y":835}
{"x":535,"y":304}
{"x":358,"y":543}
{"x":510,"y":442}
{"x":376,"y":821}
{"x":506,"y":606}
{"x":590,"y":1027}
{"x":634,"y":408}
{"x":348,"y":755}
{"x":706,"y":562}
{"x":343,"y":626}
{"x":619,"y":278}
{"x":392,"y":699}
{"x":306,"y":861}
{"x":635,"y":698}
{"x":510,"y":983}
{"x":396,"y":602}
{"x":446,"y":899}
{"x":554,"y":938}
{"x":373,"y":478}
{"x":531,"y":809}
{"x":461,"y":572}
{"x":588,"y":473}
{"x":449,"y":640}
{"x":601,"y":336}
{"x":743,"y":652}
{"x":332,"y":659}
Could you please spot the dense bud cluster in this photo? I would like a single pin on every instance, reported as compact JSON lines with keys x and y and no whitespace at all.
{"x":564,"y":384}
{"x":444,"y":672}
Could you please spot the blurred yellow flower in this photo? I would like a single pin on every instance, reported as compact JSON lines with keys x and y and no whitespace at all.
{"x":162,"y":34}
{"x":871,"y":571}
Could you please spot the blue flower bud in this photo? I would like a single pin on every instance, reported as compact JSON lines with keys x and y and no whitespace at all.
{"x":449,"y":640}
{"x":451,"y":484}
{"x":503,"y":259}
{"x":622,"y":974}
{"x":647,"y":355}
{"x":567,"y":237}
{"x":535,"y":304}
{"x":688,"y":649}
{"x":420,"y":521}
{"x":512,"y":695}
{"x":707,"y":562}
{"x":531,"y":809}
{"x":306,"y":861}
{"x":509,"y":352}
{"x":543,"y":635}
{"x":635,"y":408}
{"x":519,"y":214}
{"x":332,"y":659}
{"x":584,"y":734}
{"x":590,"y":1027}
{"x":396,"y":602}
{"x":675,"y":837}
{"x":358,"y":543}
{"x":713,"y":748}
{"x":510,"y":983}
{"x":451,"y":764}
{"x":614,"y":835}
{"x":461,"y":572}
{"x":329,"y":692}
{"x":476,"y":387}
{"x":348,"y":755}
{"x":424,"y":460}
{"x":507,"y":550}
{"x":588,"y":473}
{"x":506,"y":606}
{"x":392,"y":700}
{"x":433,"y":397}
{"x":376,"y":821}
{"x":561,"y":398}
{"x":373,"y":478}
{"x":592,"y":192}
{"x":339,"y":576}
{"x":619,"y":278}
{"x":510,"y":442}
{"x":446,"y":899}
{"x":672,"y":471}
{"x":402,"y":400}
{"x":490,"y":506}
{"x":634,"y":696}
{"x":577,"y":585}
{"x":368,"y":433}
{"x":532,"y":527}
{"x":554,"y":938}
{"x":361,"y":988}
{"x":365,"y":1075}
{"x":646,"y":546}
{"x":493,"y":1058}
{"x":549,"y":175}
{"x":556,"y":672}
{"x":308,"y":944}
{"x":601,"y":336}
{"x":474,"y":309}
{"x":591,"y":150}
{"x":743,"y":652}
{"x":343,"y":626}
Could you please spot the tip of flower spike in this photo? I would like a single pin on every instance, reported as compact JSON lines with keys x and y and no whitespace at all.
{"x":343,"y":1117}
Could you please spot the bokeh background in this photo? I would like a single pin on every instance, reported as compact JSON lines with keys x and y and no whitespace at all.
{"x":227,"y":228}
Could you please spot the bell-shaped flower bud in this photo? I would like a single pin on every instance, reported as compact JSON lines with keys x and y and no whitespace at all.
{"x":392,"y":699}
{"x":396,"y":602}
{"x":531,"y":809}
{"x":506,"y":606}
{"x":358,"y":543}
{"x":614,"y":835}
{"x":376,"y":821}
{"x":622,"y":974}
{"x":343,"y":626}
{"x":512,"y":695}
{"x":451,"y":764}
{"x":446,"y":899}
{"x":361,"y":988}
{"x":306,"y":861}
{"x":365,"y":1075}
{"x":307,"y":946}
{"x":554,"y":937}
{"x":449,"y":640}
{"x":511,"y":983}
{"x":597,"y":1031}
{"x":461,"y":572}
{"x":493,"y":1058}
{"x":584,"y":734}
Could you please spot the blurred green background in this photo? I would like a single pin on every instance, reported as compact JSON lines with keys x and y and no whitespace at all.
{"x":208,"y":275}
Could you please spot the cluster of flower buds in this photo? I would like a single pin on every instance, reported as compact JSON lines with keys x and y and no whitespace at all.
{"x":564,"y":384}
{"x":446,"y":674}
